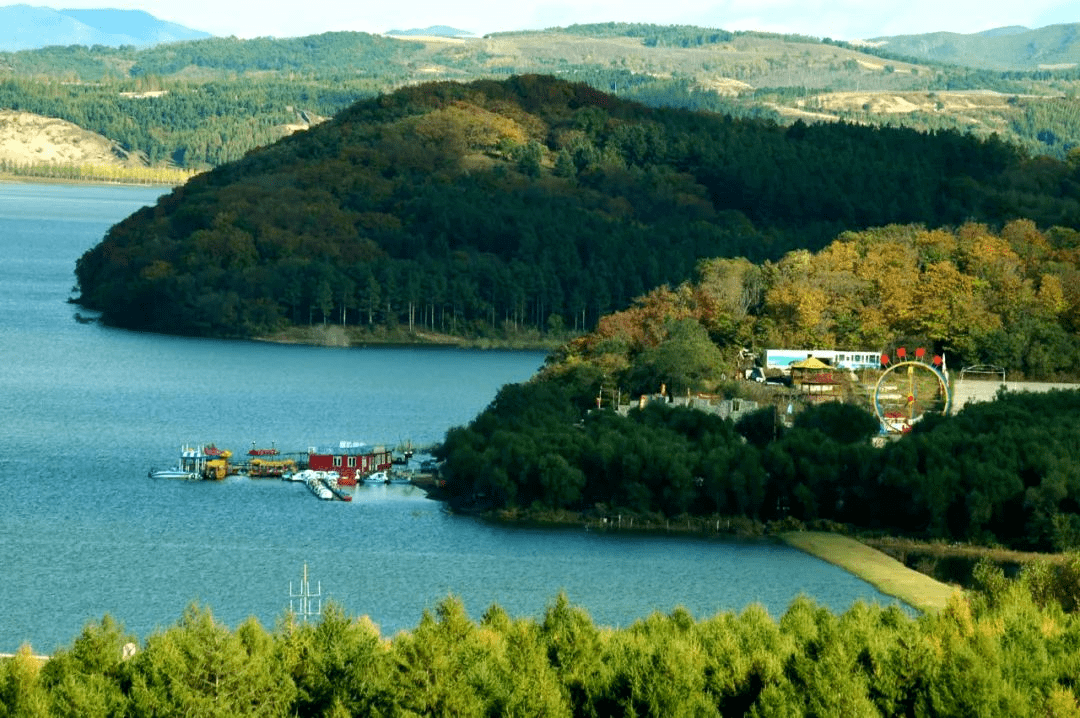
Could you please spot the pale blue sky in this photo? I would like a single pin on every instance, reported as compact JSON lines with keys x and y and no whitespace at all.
{"x":839,"y":19}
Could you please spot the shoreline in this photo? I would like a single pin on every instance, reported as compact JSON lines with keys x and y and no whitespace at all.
{"x":873,"y":565}
{"x":355,"y":337}
{"x":9,"y":178}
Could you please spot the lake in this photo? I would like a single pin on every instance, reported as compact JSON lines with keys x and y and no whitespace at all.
{"x":86,"y":410}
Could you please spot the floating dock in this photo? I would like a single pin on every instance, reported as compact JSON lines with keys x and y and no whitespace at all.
{"x":339,"y":493}
{"x":324,"y":471}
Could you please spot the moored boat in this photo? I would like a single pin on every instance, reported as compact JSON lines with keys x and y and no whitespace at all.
{"x":379,"y":477}
{"x":298,"y":475}
{"x":173,"y":473}
{"x":316,"y":486}
{"x":268,"y":463}
{"x":196,"y":463}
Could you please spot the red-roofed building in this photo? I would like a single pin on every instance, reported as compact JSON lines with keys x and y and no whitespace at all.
{"x":350,"y":459}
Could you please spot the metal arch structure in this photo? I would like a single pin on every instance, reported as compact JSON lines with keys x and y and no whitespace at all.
{"x":983,"y":369}
{"x":914,"y":400}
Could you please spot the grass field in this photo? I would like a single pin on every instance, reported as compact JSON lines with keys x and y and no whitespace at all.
{"x":884,"y":573}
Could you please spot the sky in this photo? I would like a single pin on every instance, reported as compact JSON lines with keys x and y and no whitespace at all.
{"x":838,"y":19}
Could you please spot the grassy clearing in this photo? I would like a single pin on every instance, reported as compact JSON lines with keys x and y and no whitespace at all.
{"x":884,"y":573}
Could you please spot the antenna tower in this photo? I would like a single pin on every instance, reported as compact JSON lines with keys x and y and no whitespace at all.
{"x":300,"y":601}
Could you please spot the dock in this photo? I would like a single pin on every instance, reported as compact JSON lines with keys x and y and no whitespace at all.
{"x":337,"y":491}
{"x":325,"y":471}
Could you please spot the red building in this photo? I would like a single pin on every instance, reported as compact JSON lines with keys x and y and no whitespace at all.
{"x":350,"y":459}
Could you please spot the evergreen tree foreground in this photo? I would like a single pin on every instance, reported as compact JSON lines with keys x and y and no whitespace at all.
{"x":1006,"y":649}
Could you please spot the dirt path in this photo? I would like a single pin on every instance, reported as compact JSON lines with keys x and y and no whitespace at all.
{"x":884,"y":573}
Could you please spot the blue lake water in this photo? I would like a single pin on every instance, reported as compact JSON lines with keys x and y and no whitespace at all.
{"x":86,"y":410}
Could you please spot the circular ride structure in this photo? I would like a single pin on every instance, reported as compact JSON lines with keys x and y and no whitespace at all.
{"x":909,"y":390}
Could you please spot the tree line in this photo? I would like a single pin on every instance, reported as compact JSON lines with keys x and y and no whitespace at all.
{"x":1006,"y":649}
{"x":97,"y":173}
{"x":216,"y":58}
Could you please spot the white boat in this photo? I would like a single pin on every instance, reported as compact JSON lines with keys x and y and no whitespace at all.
{"x":192,"y":466}
{"x":174,"y":473}
{"x":316,"y":486}
{"x":379,"y":477}
{"x":303,"y":475}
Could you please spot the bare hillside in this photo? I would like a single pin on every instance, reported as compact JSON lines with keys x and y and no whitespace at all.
{"x":28,"y":139}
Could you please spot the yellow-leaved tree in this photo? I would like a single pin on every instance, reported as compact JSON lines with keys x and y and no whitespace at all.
{"x":889,"y":265}
{"x":991,"y":259}
{"x":796,"y":304}
{"x":948,"y":308}
{"x":726,"y":292}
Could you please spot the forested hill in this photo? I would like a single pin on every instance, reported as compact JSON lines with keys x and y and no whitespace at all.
{"x":471,"y":208}
{"x":1007,"y":48}
{"x":201,"y":103}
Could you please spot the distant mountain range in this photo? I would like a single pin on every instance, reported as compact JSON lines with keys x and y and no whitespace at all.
{"x":433,"y":31}
{"x":23,"y":27}
{"x":1005,"y":48}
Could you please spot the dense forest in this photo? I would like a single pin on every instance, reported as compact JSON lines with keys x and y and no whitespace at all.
{"x":999,"y":473}
{"x":1008,"y":648}
{"x":182,"y":124}
{"x":202,"y":103}
{"x":325,"y":55}
{"x":471,"y":208}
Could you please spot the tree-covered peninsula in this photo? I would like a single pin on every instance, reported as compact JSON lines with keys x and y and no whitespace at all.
{"x":481,"y":208}
{"x":1000,"y":473}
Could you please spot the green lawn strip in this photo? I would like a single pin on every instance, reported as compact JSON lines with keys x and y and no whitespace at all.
{"x":884,"y":573}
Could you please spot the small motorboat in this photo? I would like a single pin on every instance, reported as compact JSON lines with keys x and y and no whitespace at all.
{"x":174,"y":473}
{"x":379,"y":477}
{"x":196,"y":464}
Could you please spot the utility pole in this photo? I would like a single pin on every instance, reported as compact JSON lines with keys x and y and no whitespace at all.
{"x":303,"y":597}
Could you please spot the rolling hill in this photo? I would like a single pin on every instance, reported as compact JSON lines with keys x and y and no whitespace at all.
{"x":200,"y":103}
{"x":1019,"y":49}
